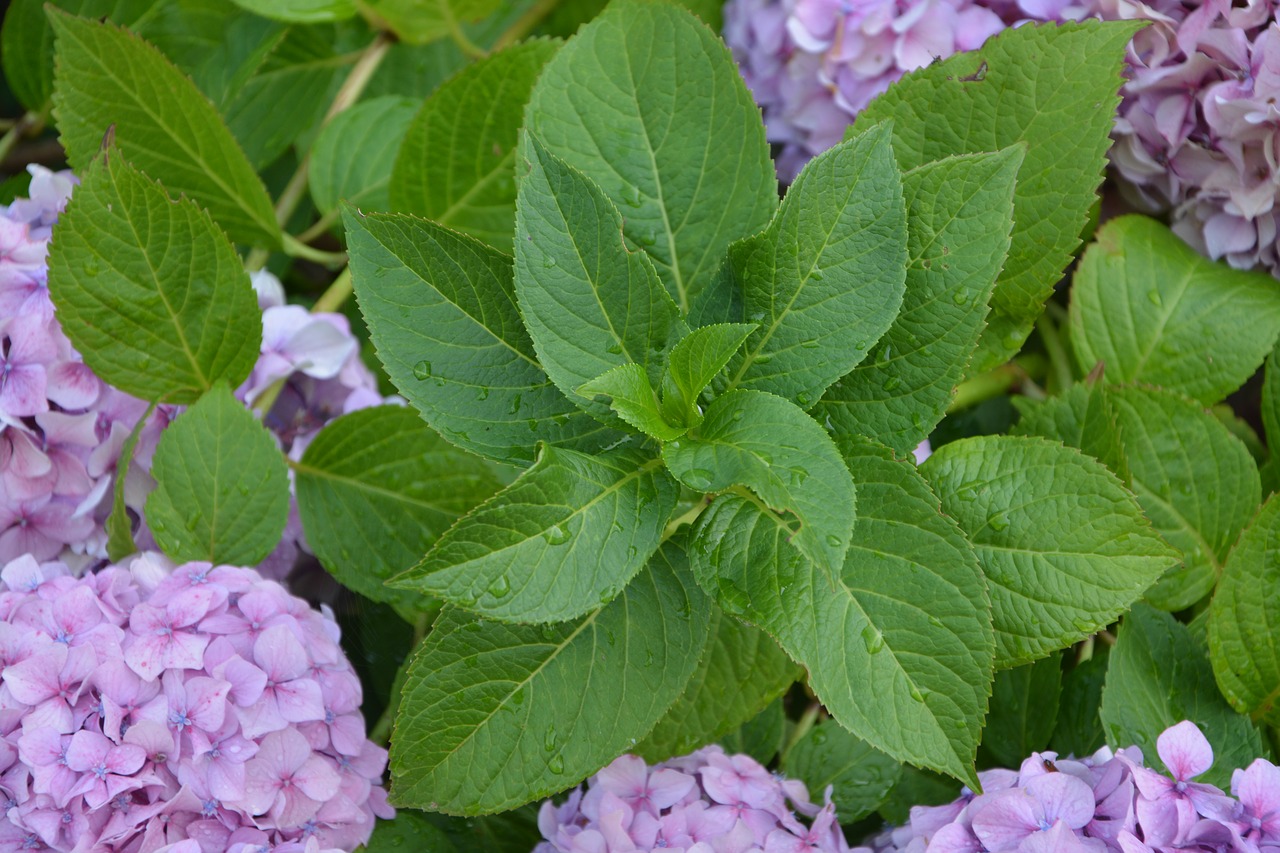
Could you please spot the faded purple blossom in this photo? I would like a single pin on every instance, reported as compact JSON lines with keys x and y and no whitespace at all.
{"x":704,"y":802}
{"x":130,"y":722}
{"x":62,"y":430}
{"x":1106,"y":802}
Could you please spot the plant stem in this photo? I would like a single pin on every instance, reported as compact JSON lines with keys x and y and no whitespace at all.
{"x":460,"y":38}
{"x":30,"y":122}
{"x":333,"y":298}
{"x":983,"y":387}
{"x":524,"y":24}
{"x":1059,"y":365}
{"x":381,"y":731}
{"x":687,"y":518}
{"x":806,"y":722}
{"x":320,"y":226}
{"x":301,"y":250}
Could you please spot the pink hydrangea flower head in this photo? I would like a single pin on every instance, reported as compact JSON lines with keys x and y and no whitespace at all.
{"x":706,"y":802}
{"x":129,"y":725}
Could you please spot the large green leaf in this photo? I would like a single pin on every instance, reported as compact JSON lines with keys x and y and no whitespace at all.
{"x":1084,"y":416}
{"x":1152,"y":310}
{"x":423,"y":21}
{"x":107,"y":77}
{"x":1195,"y":481}
{"x":899,"y":649}
{"x":301,"y":11}
{"x":149,"y":290}
{"x":684,"y":153}
{"x":374,"y":129}
{"x":590,"y":303}
{"x":959,"y":212}
{"x":442,"y":313}
{"x":375,"y":489}
{"x":1024,"y":711}
{"x":1158,"y":677}
{"x":741,"y":671}
{"x":1064,"y":546}
{"x":497,"y":715}
{"x":825,"y":279}
{"x":457,"y":163}
{"x":860,"y":775}
{"x":1243,"y":645}
{"x":765,"y":443}
{"x":1052,"y":87}
{"x":222,"y":491}
{"x":562,"y":539}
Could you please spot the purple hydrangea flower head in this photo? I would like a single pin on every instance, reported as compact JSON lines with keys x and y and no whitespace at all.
{"x":1107,"y":801}
{"x":131,"y":719}
{"x":706,"y":802}
{"x":62,"y":429}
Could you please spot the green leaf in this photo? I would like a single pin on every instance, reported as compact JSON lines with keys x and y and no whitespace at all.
{"x":562,"y":539}
{"x":107,"y":77}
{"x":301,"y":11}
{"x":741,"y":671}
{"x":899,"y":650}
{"x":423,"y":21}
{"x":959,"y":212}
{"x":589,"y":302}
{"x":1084,"y":416}
{"x":917,"y":788}
{"x":119,"y":525}
{"x":765,"y":443}
{"x":632,"y":398}
{"x":1271,"y":400}
{"x":762,"y":736}
{"x":694,"y":361}
{"x":442,"y":314}
{"x":222,"y":490}
{"x":1242,"y":643}
{"x":1159,"y":677}
{"x":1024,"y":711}
{"x":1027,"y":84}
{"x":825,"y":279}
{"x":149,"y":290}
{"x":372,"y":128}
{"x":685,"y":154}
{"x":1079,"y":730}
{"x":507,"y":832}
{"x":375,"y":489}
{"x":1064,"y":545}
{"x":457,"y":162}
{"x":497,"y":715}
{"x":1151,"y":309}
{"x":1194,"y":480}
{"x":408,"y":831}
{"x":860,"y":775}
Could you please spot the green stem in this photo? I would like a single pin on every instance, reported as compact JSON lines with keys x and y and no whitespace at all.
{"x":460,"y":38}
{"x":333,"y":298}
{"x":993,"y":383}
{"x":1059,"y":365}
{"x":301,"y":250}
{"x":320,"y":226}
{"x":806,"y":722}
{"x":687,"y":518}
{"x":524,"y":24}
{"x":31,"y":122}
{"x":381,"y":731}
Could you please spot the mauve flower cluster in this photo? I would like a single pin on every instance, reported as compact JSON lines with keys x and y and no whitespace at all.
{"x":706,"y":802}
{"x":62,"y":429}
{"x":196,"y":709}
{"x":1106,"y":802}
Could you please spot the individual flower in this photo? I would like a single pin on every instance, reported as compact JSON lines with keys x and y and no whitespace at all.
{"x":62,"y":430}
{"x":128,"y":724}
{"x":704,"y":802}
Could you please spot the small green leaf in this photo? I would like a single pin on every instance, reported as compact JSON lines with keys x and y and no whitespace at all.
{"x":1152,"y":310}
{"x":694,"y":361}
{"x":442,"y":314}
{"x":222,"y":491}
{"x":762,"y":736}
{"x":1084,"y":416}
{"x":1243,"y":646}
{"x":1079,"y":730}
{"x":1158,"y":677}
{"x":301,"y":11}
{"x":632,"y":398}
{"x":765,"y":443}
{"x":1064,"y":546}
{"x":959,"y":212}
{"x":859,"y":774}
{"x":375,"y":489}
{"x":107,"y":77}
{"x":456,"y":165}
{"x":1194,"y":480}
{"x":825,"y":279}
{"x":372,"y":128}
{"x":1024,"y":711}
{"x":742,"y":670}
{"x":149,"y":290}
{"x":565,"y":537}
{"x":589,"y":302}
{"x":498,"y":715}
{"x":1027,"y":84}
{"x":120,"y":542}
{"x":423,"y":21}
{"x":685,"y":154}
{"x":911,"y":680}
{"x":408,"y":831}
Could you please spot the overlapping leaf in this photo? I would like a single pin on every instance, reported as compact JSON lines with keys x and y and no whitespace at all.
{"x":1024,"y":711}
{"x":424,"y":21}
{"x":860,"y":775}
{"x":693,"y":363}
{"x":630,"y":395}
{"x":1084,"y":416}
{"x":374,"y":128}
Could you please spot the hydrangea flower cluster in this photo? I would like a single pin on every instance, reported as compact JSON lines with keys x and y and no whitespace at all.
{"x":703,"y":802}
{"x":1105,"y":802}
{"x":192,"y":709}
{"x":62,"y":429}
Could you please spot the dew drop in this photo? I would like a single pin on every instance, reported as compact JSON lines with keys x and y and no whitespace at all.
{"x":500,"y":586}
{"x":91,"y":268}
{"x":556,"y":535}
{"x":482,"y":394}
{"x":960,"y":297}
{"x":737,"y":415}
{"x":917,"y":694}
{"x":872,"y":639}
{"x":998,"y":522}
{"x":819,"y":736}
{"x":764,"y":358}
{"x":549,"y":739}
{"x":817,"y":274}
{"x":517,"y":698}
{"x":422,"y":370}
{"x":892,"y":382}
{"x":698,"y":478}
{"x":548,"y":262}
{"x":884,"y":356}
{"x":614,"y":349}
{"x":515,"y":404}
{"x":1153,"y":296}
{"x":803,"y":398}
{"x":833,"y":540}
{"x":556,"y":765}
{"x":968,"y":493}
{"x":810,"y":345}
{"x":631,"y":550}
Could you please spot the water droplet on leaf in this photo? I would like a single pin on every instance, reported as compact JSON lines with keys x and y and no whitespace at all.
{"x":698,"y":478}
{"x":556,"y":535}
{"x":422,"y":370}
{"x":500,"y":586}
